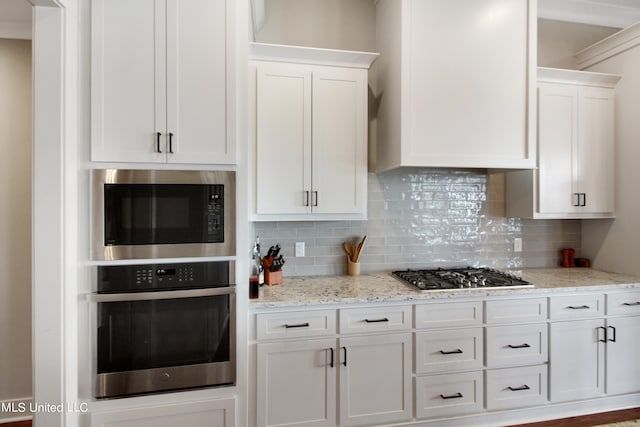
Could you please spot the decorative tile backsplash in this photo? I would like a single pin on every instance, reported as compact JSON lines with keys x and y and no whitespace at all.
{"x":425,"y":218}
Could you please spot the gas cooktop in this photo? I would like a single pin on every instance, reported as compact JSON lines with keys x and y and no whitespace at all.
{"x":460,"y":278}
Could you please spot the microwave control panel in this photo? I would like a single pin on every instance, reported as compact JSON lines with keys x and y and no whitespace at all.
{"x":215,"y":214}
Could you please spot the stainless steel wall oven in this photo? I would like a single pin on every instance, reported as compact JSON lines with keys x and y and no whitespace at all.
{"x":162,"y":214}
{"x":164,"y":327}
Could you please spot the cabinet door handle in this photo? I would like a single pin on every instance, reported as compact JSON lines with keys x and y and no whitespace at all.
{"x":376,"y":320}
{"x":577,"y":203}
{"x":158,"y":135}
{"x":521,"y":388}
{"x":299,"y":325}
{"x":613,"y":328}
{"x":631,"y":304}
{"x":578,"y":307}
{"x":315,"y":198}
{"x":584,"y":199}
{"x":456,"y":351}
{"x":452,"y":396}
{"x":344,"y":362}
{"x":170,"y":143}
{"x":331,"y":350}
{"x":605,"y":334}
{"x":525,"y":345}
{"x":306,"y":198}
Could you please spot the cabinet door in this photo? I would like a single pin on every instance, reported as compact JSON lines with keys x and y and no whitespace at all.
{"x":128,"y":80}
{"x":596,"y":150}
{"x":576,"y":360}
{"x":375,"y":379}
{"x":339,"y":141}
{"x":197,"y":82}
{"x":296,"y":383}
{"x":283,"y":129}
{"x":557,"y":142}
{"x":623,"y":347}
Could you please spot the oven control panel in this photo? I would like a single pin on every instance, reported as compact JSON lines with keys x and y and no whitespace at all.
{"x":152,"y":277}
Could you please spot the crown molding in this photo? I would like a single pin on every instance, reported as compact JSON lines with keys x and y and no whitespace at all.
{"x":593,"y":12}
{"x":614,"y":44}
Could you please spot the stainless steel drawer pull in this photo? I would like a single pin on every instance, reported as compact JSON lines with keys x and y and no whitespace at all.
{"x":300,"y":325}
{"x":578,"y":307}
{"x":376,"y":320}
{"x":521,"y":388}
{"x":629,"y":304}
{"x":452,"y":396}
{"x":525,"y":345}
{"x":456,"y":351}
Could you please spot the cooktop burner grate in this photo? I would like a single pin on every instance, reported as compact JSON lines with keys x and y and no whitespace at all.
{"x":460,"y":278}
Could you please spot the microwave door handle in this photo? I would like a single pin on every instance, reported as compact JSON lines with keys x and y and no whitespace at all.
{"x":159,"y":295}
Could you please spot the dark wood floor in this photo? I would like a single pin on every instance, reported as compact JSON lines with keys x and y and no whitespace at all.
{"x":584,"y":421}
{"x":590,"y":420}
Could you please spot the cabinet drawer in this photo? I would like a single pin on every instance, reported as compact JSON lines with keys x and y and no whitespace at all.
{"x":576,"y":307}
{"x":297,"y":324}
{"x":363,"y":320}
{"x":452,"y":314}
{"x":517,"y":345}
{"x":448,"y":350}
{"x":625,"y":303}
{"x":516,"y":310}
{"x":449,"y":394}
{"x":516,"y":387}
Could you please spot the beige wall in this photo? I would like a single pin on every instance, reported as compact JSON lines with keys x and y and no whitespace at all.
{"x":15,"y":219}
{"x":331,"y":24}
{"x":559,"y":41}
{"x":614,"y":245}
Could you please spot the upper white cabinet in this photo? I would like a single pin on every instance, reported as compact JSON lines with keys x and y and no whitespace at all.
{"x":454,"y":81}
{"x":310,"y":133}
{"x":575,"y":176}
{"x":162,"y":81}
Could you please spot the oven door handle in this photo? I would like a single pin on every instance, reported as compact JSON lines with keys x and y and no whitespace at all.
{"x":158,"y":295}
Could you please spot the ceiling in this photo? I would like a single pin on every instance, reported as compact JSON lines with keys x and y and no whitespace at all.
{"x":609,"y":13}
{"x":15,"y":19}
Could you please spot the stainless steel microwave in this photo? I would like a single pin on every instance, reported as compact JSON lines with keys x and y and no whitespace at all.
{"x":147,"y":214}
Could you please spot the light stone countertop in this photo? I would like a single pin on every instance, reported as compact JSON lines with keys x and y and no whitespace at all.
{"x":382,"y":287}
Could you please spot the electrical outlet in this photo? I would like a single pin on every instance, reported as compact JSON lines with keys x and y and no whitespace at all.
{"x":517,"y":244}
{"x":299,"y":249}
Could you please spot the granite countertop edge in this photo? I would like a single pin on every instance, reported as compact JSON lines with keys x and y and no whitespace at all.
{"x":381,"y":287}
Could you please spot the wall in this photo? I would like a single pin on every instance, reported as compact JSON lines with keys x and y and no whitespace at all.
{"x":614,"y":244}
{"x":558,"y":41}
{"x":15,"y":219}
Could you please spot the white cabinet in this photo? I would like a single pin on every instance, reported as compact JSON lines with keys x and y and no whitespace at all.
{"x":378,"y":363}
{"x":296,"y":383}
{"x":455,"y":83}
{"x":575,"y":176}
{"x":516,"y":353}
{"x":308,"y":376}
{"x":623,"y":343}
{"x":155,"y":97}
{"x":448,"y":359}
{"x":214,"y":413}
{"x":310,"y":132}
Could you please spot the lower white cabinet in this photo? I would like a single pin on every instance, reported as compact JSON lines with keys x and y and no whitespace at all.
{"x":375,"y":379}
{"x":622,"y":350}
{"x":296,"y":384}
{"x":444,"y":395}
{"x":209,"y":413}
{"x":577,"y":360}
{"x":516,"y":387}
{"x":320,"y":379}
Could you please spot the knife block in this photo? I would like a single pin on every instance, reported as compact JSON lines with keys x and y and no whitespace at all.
{"x":272,"y":277}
